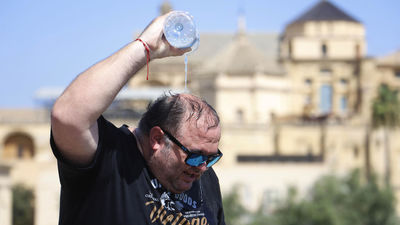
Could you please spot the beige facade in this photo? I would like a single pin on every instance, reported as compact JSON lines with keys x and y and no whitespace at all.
{"x":5,"y":195}
{"x":293,"y":107}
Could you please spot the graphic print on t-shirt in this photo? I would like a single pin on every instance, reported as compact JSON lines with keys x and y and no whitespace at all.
{"x":176,"y":209}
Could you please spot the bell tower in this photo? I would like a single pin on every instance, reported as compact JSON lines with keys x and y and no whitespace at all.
{"x":323,"y":32}
{"x":322,"y":51}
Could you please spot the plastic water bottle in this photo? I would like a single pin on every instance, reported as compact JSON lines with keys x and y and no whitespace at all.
{"x":180,"y":30}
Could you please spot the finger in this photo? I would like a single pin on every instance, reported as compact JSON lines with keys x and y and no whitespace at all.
{"x":179,"y":51}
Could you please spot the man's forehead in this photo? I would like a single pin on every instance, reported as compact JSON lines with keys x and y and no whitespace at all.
{"x":203,"y":130}
{"x":198,"y":111}
{"x":202,"y":124}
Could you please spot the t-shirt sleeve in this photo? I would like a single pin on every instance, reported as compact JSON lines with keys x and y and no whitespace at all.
{"x":71,"y":173}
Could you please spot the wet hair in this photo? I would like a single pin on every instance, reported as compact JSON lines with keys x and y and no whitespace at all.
{"x":171,"y":111}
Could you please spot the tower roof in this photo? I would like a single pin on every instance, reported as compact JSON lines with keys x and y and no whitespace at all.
{"x":241,"y":56}
{"x":324,"y":11}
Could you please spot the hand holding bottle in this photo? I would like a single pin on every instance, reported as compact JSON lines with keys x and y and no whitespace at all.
{"x":154,"y":37}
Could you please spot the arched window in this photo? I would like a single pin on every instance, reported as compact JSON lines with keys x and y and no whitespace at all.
{"x":18,"y":146}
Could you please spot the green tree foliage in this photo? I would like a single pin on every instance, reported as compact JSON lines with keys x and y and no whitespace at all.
{"x":340,"y":201}
{"x":385,"y":108}
{"x":386,"y":114}
{"x":233,"y":209}
{"x":23,"y":201}
{"x":332,"y":200}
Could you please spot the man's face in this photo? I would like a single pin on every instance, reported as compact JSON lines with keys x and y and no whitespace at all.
{"x":174,"y":173}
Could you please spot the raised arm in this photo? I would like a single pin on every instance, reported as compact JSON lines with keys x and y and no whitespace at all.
{"x":74,"y":115}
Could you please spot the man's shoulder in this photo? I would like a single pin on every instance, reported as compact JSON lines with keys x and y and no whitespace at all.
{"x":109,"y":129}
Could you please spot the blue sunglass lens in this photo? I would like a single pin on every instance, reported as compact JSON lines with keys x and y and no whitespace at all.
{"x":213,"y":161}
{"x":196,"y":160}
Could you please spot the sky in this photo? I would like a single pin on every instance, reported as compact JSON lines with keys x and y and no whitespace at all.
{"x":47,"y":43}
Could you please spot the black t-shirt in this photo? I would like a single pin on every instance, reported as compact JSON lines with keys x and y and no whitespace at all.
{"x":118,"y":188}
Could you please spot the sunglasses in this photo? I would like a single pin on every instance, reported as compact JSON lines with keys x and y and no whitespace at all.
{"x":195,"y":159}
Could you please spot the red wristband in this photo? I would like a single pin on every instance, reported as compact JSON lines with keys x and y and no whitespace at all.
{"x":148,"y":55}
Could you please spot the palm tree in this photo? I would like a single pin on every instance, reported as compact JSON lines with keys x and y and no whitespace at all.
{"x":385,"y":115}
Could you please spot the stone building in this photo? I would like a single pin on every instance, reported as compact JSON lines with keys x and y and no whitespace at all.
{"x":293,"y":106}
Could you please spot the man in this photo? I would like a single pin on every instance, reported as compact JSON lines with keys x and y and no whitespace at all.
{"x":158,"y":173}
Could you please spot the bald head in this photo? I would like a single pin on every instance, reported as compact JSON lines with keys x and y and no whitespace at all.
{"x":172,"y":111}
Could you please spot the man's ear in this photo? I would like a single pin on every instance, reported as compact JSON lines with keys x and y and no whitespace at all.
{"x":156,"y":136}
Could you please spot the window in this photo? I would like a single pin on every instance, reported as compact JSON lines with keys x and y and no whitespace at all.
{"x":325,"y":72}
{"x":324,"y":50}
{"x":343,"y":82}
{"x":18,"y":146}
{"x":325,"y":104}
{"x":308,"y":82}
{"x":343,"y":104}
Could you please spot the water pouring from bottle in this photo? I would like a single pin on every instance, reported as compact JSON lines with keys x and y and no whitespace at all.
{"x":181,"y":31}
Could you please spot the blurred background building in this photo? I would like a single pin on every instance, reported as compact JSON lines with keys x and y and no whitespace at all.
{"x":293,"y":106}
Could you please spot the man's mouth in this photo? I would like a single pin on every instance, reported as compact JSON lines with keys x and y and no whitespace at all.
{"x":190,"y":177}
